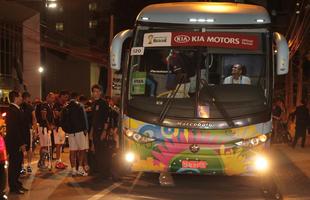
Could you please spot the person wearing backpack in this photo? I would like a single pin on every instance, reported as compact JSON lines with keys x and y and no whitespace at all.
{"x":59,"y":134}
{"x":74,"y":123}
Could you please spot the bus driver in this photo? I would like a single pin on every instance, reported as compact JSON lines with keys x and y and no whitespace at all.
{"x":236,"y":76}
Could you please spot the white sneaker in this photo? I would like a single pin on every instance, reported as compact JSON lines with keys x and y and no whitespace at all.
{"x":81,"y":172}
{"x":74,"y":172}
{"x":86,"y":168}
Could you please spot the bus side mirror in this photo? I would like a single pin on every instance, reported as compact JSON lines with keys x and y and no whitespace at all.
{"x":282,"y":53}
{"x":116,"y":48}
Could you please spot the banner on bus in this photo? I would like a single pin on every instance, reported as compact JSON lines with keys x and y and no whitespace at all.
{"x":210,"y":39}
{"x":222,"y":40}
{"x":162,"y":39}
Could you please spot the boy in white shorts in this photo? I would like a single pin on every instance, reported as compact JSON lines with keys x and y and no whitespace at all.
{"x":59,"y":139}
{"x":59,"y":134}
{"x":78,"y":146}
{"x":45,"y":143}
{"x":45,"y":117}
{"x":75,"y":124}
{"x":84,"y":101}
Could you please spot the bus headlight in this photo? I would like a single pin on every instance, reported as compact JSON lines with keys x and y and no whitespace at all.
{"x":263,"y":138}
{"x":129,"y":157}
{"x":128,"y":132}
{"x":252,"y":141}
{"x":261,"y":163}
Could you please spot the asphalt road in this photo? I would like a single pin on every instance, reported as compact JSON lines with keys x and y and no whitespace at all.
{"x":59,"y":185}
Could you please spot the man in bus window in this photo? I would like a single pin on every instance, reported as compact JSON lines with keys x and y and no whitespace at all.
{"x":236,"y":76}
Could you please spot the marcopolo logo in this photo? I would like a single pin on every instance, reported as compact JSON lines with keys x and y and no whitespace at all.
{"x":182,"y":38}
{"x":196,"y":124}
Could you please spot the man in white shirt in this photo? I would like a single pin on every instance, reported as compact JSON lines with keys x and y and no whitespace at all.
{"x":237,"y":77}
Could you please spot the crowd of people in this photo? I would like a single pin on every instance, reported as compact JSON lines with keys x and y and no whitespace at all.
{"x":88,"y":125}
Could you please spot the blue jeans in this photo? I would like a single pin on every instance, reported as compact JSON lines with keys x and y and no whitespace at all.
{"x":152,"y":84}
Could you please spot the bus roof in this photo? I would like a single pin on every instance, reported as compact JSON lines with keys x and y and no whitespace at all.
{"x":205,"y":13}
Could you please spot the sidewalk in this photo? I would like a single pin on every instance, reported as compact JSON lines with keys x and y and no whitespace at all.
{"x":42,"y":183}
{"x":60,"y":185}
{"x":292,"y":171}
{"x":299,"y":156}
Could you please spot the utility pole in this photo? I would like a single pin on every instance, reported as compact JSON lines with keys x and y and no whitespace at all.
{"x":110,"y":71}
{"x":299,"y":79}
{"x":43,"y":49}
{"x":289,"y":88}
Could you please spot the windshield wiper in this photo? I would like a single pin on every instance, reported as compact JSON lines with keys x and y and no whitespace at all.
{"x":168,"y":103}
{"x":218,"y":104}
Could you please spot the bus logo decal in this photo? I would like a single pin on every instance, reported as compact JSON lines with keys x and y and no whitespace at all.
{"x":196,"y":124}
{"x":194,"y":148}
{"x":157,"y":39}
{"x":182,"y":39}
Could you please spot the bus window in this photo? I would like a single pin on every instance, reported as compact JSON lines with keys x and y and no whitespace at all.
{"x":161,"y":70}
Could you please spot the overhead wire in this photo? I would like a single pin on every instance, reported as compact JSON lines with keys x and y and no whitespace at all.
{"x":296,"y":37}
{"x":71,"y":37}
{"x":294,"y":19}
{"x":292,"y":36}
{"x":306,"y":27}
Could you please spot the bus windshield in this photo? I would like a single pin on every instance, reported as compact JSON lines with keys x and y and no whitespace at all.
{"x":201,"y":74}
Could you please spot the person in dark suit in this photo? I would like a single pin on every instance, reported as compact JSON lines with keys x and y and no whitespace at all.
{"x":302,"y":123}
{"x":15,"y":141}
{"x":99,"y":126}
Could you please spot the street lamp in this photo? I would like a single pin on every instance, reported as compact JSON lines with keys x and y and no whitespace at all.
{"x":41,"y":70}
{"x":51,"y":5}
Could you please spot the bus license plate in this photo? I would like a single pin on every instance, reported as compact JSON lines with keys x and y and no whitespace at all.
{"x":194,"y":164}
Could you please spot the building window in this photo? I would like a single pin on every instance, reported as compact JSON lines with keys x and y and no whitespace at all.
{"x":51,"y":4}
{"x":92,"y":23}
{"x":59,"y":26}
{"x":92,"y":6}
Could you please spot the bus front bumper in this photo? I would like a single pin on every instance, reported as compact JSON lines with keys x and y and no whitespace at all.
{"x":248,"y":162}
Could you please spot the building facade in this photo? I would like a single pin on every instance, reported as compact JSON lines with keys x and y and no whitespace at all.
{"x":74,"y":43}
{"x":82,"y":27}
{"x":19,"y":49}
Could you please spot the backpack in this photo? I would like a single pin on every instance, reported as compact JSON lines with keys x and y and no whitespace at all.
{"x":72,"y":118}
{"x":65,"y":120}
